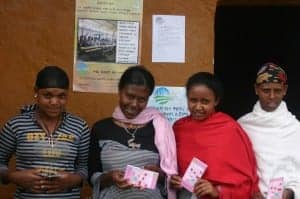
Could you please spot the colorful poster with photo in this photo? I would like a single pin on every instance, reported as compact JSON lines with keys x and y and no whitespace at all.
{"x":171,"y":101}
{"x":106,"y":42}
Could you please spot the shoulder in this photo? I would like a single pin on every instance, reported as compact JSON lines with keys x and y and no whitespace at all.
{"x":103,"y":122}
{"x":102,"y":125}
{"x":72,"y":124}
{"x":23,"y":116}
{"x":234,"y":127}
{"x":74,"y":119}
{"x":226,"y":120}
{"x":244,"y":118}
{"x":19,"y":119}
{"x":224,"y":116}
{"x":181,"y":121}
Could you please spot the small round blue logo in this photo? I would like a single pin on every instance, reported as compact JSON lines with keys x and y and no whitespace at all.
{"x":82,"y":68}
{"x":162,"y":95}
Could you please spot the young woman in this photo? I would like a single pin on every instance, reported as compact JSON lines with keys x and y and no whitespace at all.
{"x":51,"y":145}
{"x":134,"y":135}
{"x":216,"y":139}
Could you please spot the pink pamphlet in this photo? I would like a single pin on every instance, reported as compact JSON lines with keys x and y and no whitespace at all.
{"x":194,"y":171}
{"x":275,"y":188}
{"x":141,"y":177}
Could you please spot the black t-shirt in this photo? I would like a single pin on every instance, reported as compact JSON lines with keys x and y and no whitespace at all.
{"x":106,"y":129}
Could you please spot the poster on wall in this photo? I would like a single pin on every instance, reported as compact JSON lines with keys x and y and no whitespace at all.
{"x":169,"y":100}
{"x":107,"y":41}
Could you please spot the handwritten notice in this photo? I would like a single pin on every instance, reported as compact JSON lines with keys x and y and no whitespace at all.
{"x":168,"y":42}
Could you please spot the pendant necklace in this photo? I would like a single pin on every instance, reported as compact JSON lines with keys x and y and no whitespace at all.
{"x":47,"y":131}
{"x":49,"y":134}
{"x":131,"y":142}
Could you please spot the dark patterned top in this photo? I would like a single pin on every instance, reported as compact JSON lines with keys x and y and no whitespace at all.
{"x":23,"y":136}
{"x":109,"y":150}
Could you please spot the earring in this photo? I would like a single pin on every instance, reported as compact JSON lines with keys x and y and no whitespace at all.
{"x":35,"y":95}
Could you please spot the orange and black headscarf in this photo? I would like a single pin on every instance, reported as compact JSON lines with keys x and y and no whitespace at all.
{"x":271,"y":73}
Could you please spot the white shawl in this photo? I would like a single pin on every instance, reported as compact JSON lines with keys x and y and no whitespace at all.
{"x":276,"y":142}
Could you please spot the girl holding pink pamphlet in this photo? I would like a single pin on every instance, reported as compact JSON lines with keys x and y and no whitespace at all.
{"x":216,"y":143}
{"x":135,"y":135}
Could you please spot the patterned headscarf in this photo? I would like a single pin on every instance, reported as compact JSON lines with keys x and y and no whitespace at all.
{"x":271,"y":73}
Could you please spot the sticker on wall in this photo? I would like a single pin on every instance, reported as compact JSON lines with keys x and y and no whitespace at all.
{"x":171,"y":101}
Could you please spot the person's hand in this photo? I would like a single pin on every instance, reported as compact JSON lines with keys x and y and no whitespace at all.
{"x":114,"y":177}
{"x":257,"y":195}
{"x":205,"y":188}
{"x":29,"y":179}
{"x":61,"y":182}
{"x":175,"y":182}
{"x":288,"y":194}
{"x":117,"y":178}
{"x":157,"y":169}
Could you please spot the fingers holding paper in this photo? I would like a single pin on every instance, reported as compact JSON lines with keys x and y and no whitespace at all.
{"x":205,"y":188}
{"x":118,"y":178}
{"x":175,"y":182}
